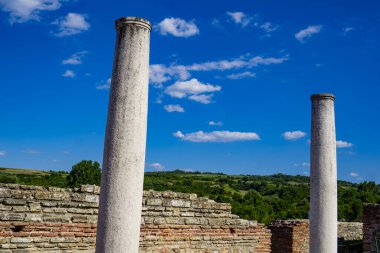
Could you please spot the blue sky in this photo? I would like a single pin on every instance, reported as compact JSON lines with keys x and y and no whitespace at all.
{"x":229,"y":83}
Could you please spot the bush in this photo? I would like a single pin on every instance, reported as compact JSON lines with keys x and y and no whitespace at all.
{"x":84,"y":172}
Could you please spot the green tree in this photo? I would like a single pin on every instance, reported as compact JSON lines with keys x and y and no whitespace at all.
{"x":84,"y":172}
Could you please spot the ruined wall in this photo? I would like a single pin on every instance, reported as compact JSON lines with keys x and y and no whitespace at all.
{"x":290,"y":236}
{"x":371,"y":228}
{"x":38,"y":219}
{"x":293,"y":236}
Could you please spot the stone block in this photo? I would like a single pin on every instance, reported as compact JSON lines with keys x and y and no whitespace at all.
{"x":20,"y":240}
{"x":5,"y":208}
{"x":60,"y":196}
{"x":14,"y":202}
{"x":21,"y":194}
{"x":34,"y":206}
{"x":48,"y":204}
{"x":33,"y":217}
{"x":43,"y":195}
{"x":87,"y":188}
{"x":12,"y":216}
{"x":154,"y":202}
{"x":20,"y":209}
{"x":91,"y":198}
{"x":5,"y":193}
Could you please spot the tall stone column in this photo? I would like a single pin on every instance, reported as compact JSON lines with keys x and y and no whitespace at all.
{"x":124,"y":147}
{"x":323,"y":176}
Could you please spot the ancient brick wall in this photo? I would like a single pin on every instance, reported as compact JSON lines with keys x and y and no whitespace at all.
{"x":371,"y":228}
{"x":290,"y":236}
{"x":38,"y":219}
{"x":293,"y":236}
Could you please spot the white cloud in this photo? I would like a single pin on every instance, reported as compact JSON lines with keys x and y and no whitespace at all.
{"x":75,"y":59}
{"x":293,"y":135}
{"x":24,"y":10}
{"x":69,"y":73}
{"x":104,"y":85}
{"x":304,"y":164}
{"x":177,"y":27}
{"x":216,"y":23}
{"x":217,"y":136}
{"x":241,"y":75}
{"x":156,"y":166}
{"x":215,"y":123}
{"x":268,"y":27}
{"x":354,"y":174}
{"x":203,"y":99}
{"x":72,"y":24}
{"x":346,"y":30}
{"x":3,"y":153}
{"x":307,"y":32}
{"x":182,"y":89}
{"x":343,"y":144}
{"x":160,"y":73}
{"x":174,"y":108}
{"x":31,"y":152}
{"x":240,"y":18}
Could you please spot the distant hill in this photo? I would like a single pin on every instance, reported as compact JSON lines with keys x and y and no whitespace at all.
{"x":262,"y":198}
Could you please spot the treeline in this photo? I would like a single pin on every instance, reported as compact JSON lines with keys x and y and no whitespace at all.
{"x":262,"y":198}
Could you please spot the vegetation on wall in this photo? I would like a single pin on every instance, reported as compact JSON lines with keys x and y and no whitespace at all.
{"x":262,"y":198}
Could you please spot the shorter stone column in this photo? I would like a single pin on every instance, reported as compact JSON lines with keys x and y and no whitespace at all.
{"x":323,"y":176}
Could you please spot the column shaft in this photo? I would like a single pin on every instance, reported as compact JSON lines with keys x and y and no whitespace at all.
{"x":323,"y":176}
{"x":125,"y":141}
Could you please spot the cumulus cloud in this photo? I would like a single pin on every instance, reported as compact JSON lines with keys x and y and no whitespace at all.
{"x":174,"y":108}
{"x":104,"y":85}
{"x":354,"y":174}
{"x":203,"y":99}
{"x":21,"y":11}
{"x":215,"y":123}
{"x":240,"y":18}
{"x":71,"y":24}
{"x":75,"y":59}
{"x":307,"y":32}
{"x":293,"y":135}
{"x":177,"y":27}
{"x":3,"y":153}
{"x":242,"y":75}
{"x":217,"y":136}
{"x":343,"y":144}
{"x":69,"y":73}
{"x":160,"y":73}
{"x":182,"y":89}
{"x":156,"y":166}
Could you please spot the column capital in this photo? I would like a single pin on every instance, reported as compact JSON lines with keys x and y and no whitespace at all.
{"x":320,"y":96}
{"x":132,"y":20}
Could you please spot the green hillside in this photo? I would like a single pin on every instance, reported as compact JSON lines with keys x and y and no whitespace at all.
{"x":262,"y":198}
